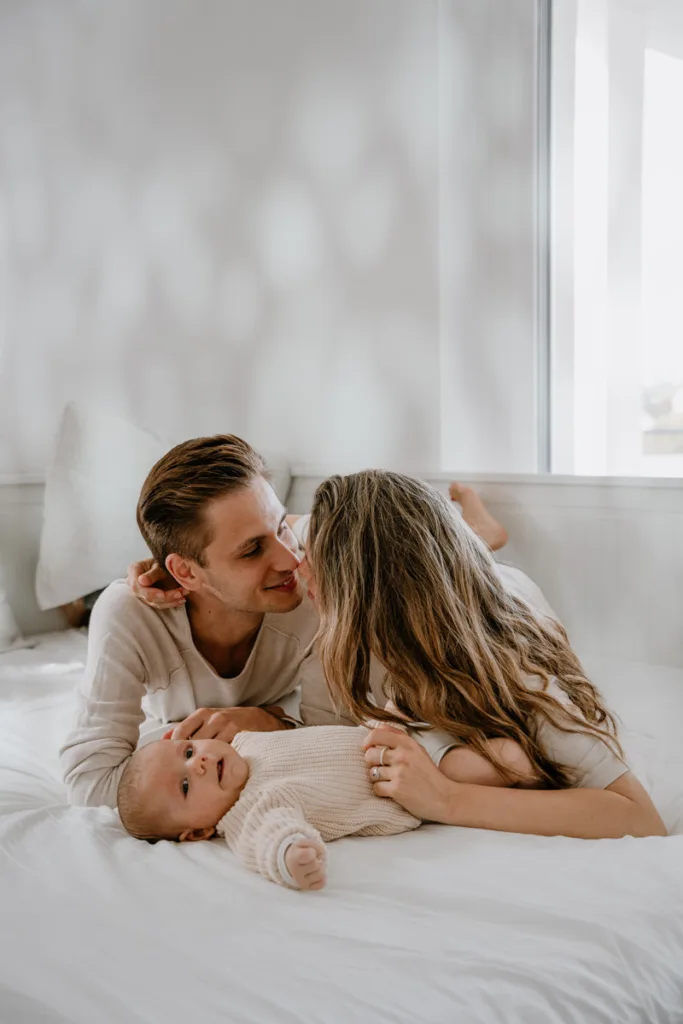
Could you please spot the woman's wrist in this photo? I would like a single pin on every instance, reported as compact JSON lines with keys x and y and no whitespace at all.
{"x":455,"y":801}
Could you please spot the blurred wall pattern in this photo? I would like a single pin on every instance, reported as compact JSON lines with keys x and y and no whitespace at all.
{"x":308,"y":222}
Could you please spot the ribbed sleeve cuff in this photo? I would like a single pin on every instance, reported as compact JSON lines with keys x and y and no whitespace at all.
{"x":282,"y":863}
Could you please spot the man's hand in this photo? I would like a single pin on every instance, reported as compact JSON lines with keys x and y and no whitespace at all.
{"x":154,"y":586}
{"x":305,"y":860}
{"x":225,"y":723}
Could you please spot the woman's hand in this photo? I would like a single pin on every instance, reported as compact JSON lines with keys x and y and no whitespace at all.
{"x":154,"y":586}
{"x":408,"y":775}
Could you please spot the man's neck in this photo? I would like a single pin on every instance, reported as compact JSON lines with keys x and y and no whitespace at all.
{"x":225,"y":637}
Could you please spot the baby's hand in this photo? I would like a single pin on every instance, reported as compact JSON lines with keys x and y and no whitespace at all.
{"x":305,"y":860}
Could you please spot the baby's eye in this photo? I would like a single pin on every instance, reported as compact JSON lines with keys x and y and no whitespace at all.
{"x":188,"y":753}
{"x":185,"y":785}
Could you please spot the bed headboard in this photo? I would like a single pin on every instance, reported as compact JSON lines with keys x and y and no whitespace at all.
{"x":607,"y":553}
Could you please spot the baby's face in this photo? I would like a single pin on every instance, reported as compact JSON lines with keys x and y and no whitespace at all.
{"x":193,"y":782}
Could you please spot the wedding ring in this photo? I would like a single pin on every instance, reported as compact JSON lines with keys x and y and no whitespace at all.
{"x":375,"y":774}
{"x":381,"y":755}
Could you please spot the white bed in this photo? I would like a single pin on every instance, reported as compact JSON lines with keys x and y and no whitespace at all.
{"x":441,"y":925}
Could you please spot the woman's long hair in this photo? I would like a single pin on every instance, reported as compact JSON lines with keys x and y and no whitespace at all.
{"x":401,"y":578}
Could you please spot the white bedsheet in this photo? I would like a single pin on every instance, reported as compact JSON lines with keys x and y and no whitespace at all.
{"x":440,"y":925}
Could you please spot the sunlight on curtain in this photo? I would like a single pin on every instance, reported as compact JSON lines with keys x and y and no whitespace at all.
{"x":662,"y":310}
{"x":618,"y":169}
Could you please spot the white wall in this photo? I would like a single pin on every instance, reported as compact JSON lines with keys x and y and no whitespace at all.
{"x":487,"y":224}
{"x":305,"y":221}
{"x":665,"y":26}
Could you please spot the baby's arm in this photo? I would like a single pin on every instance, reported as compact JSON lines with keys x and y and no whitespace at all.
{"x":462,"y":764}
{"x":275,"y":839}
{"x":304,"y":862}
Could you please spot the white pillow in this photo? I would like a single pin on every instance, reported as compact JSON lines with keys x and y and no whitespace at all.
{"x":90,"y":534}
{"x":10,"y":636}
{"x":93,"y":480}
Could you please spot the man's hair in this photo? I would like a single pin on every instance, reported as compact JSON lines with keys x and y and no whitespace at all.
{"x":139,"y":816}
{"x":172,"y":506}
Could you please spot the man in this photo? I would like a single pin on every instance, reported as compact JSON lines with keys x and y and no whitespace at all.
{"x":228,"y":650}
{"x":209,"y":515}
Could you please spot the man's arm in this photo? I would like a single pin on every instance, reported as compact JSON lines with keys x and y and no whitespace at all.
{"x":109,"y":714}
{"x":288,"y":708}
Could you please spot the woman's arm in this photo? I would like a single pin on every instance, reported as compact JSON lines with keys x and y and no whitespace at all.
{"x":414,"y":782}
{"x":154,"y":586}
{"x":623,"y":809}
{"x":461,"y":764}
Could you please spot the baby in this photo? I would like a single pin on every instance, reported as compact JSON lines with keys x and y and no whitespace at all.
{"x":276,"y":797}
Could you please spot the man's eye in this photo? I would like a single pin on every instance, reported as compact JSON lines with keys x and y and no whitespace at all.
{"x":185,"y":785}
{"x":254,"y":551}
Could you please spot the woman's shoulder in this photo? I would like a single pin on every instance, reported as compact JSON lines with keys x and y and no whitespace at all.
{"x":522,"y":586}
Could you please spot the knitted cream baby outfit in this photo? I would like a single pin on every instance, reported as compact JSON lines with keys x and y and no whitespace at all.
{"x":310,"y":782}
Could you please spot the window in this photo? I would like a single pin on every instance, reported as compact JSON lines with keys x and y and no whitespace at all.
{"x":617,"y":237}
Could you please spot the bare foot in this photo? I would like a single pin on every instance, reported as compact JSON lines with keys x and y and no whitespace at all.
{"x":478,"y":517}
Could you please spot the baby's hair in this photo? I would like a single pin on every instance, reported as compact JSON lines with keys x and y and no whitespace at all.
{"x":139,"y":816}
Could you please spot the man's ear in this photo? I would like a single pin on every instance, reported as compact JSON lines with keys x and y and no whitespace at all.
{"x":194,"y":835}
{"x":183,"y":571}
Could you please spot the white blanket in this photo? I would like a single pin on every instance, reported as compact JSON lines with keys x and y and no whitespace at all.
{"x":441,"y":925}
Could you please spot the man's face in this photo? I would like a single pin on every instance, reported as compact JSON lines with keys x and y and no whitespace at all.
{"x":193,"y":782}
{"x":251,"y":563}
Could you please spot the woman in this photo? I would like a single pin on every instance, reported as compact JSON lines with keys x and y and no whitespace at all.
{"x":397,"y":577}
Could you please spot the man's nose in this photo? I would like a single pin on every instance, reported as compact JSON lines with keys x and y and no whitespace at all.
{"x":303,"y":568}
{"x":287,"y":558}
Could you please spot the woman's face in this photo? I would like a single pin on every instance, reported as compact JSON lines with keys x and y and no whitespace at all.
{"x":307,"y":575}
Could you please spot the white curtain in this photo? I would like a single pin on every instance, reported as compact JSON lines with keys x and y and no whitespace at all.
{"x":618,"y":235}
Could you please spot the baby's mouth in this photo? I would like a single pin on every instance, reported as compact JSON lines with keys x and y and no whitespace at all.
{"x":219,"y":769}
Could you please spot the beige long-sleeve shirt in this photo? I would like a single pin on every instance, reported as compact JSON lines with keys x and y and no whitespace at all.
{"x":142,"y":663}
{"x":313,"y":783}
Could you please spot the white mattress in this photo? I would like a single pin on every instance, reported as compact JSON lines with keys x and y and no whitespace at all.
{"x":440,"y":925}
